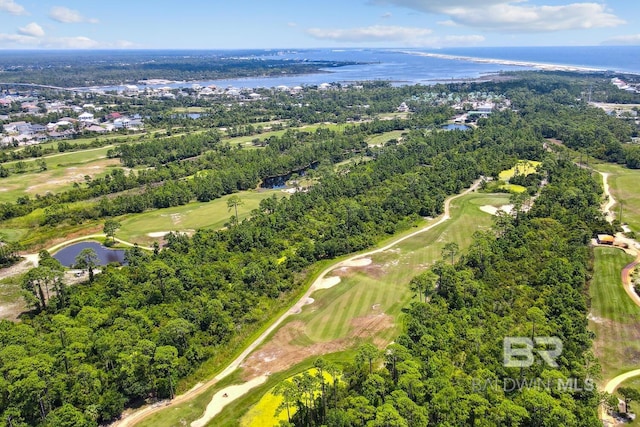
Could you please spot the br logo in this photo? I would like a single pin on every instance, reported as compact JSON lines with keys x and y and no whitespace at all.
{"x":518,"y":352}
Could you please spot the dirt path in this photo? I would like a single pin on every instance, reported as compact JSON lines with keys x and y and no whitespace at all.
{"x":613,"y":384}
{"x":200,"y":388}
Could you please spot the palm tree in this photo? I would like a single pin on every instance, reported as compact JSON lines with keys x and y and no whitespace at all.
{"x":233,"y":202}
{"x":87,"y":259}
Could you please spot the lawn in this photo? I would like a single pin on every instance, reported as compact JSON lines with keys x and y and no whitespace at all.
{"x":190,"y":217}
{"x":62,"y":171}
{"x":382,"y":138}
{"x":623,"y":185}
{"x":614,"y":317}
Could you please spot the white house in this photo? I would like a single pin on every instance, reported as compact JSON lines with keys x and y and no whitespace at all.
{"x":86,"y":117}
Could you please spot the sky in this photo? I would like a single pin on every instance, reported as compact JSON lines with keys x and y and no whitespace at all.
{"x":280,"y":24}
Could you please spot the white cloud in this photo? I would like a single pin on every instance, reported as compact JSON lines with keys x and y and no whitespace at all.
{"x":374,"y":33}
{"x":394,"y":36}
{"x":631,"y":39}
{"x":68,"y":16}
{"x":19,"y":39}
{"x":386,"y":15}
{"x":447,"y":23}
{"x":515,"y":15}
{"x":41,"y":42}
{"x":291,"y":24}
{"x":12,"y":7}
{"x":32,"y":29}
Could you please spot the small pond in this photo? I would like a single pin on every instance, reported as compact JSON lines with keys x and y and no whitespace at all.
{"x":67,"y":255}
{"x":455,"y":126}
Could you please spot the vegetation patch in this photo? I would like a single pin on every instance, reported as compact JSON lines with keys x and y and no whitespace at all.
{"x":523,"y":167}
{"x":269,"y":411}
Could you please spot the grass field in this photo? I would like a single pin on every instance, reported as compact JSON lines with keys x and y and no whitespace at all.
{"x":384,"y":137}
{"x":213,"y":214}
{"x":614,"y":317}
{"x":623,"y":185}
{"x":62,"y":171}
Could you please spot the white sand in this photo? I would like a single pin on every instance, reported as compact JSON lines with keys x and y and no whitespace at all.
{"x":492,"y":210}
{"x":359,"y":262}
{"x":218,"y":401}
{"x":328,"y":282}
{"x":158,"y":234}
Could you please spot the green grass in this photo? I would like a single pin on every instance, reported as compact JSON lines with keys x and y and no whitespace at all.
{"x":213,"y":214}
{"x":623,"y":185}
{"x":384,"y":137}
{"x":615,"y":319}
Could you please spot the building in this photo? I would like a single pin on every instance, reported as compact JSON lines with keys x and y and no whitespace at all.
{"x":85,"y":117}
{"x":605,"y":239}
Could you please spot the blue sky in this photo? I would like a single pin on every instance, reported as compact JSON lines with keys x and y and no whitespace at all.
{"x":224,"y":24}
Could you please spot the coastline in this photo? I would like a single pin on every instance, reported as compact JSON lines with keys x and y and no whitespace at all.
{"x":528,"y":64}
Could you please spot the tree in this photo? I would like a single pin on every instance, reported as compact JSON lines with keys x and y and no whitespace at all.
{"x":110,"y":228}
{"x":424,"y":284}
{"x":233,"y":202}
{"x":367,"y":353}
{"x":87,"y":259}
{"x":450,"y":250}
{"x":629,"y":394}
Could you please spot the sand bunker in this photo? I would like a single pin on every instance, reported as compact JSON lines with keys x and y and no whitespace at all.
{"x":158,"y":234}
{"x":359,"y":262}
{"x":494,"y":210}
{"x":328,"y":282}
{"x":224,"y":397}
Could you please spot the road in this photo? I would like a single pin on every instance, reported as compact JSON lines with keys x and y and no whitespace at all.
{"x":139,"y":415}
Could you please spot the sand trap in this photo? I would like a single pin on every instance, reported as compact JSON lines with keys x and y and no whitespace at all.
{"x":158,"y":234}
{"x":328,"y":282}
{"x":492,"y":210}
{"x":309,"y":301}
{"x":218,"y":402}
{"x":360,"y":262}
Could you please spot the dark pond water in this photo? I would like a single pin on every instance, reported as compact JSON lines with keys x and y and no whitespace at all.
{"x":67,"y":255}
{"x":280,"y":181}
{"x":455,"y":127}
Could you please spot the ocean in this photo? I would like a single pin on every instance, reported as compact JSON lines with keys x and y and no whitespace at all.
{"x":424,"y":66}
